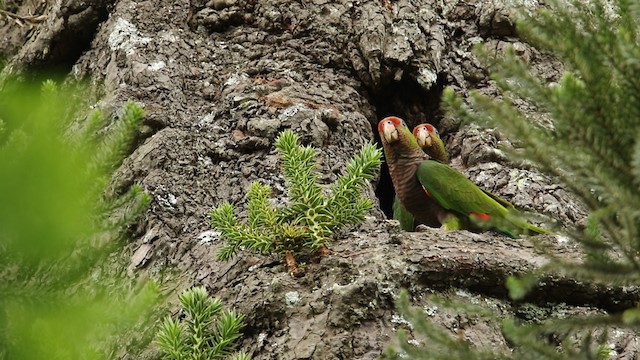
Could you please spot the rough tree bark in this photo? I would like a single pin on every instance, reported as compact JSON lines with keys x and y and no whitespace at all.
{"x":220,"y":79}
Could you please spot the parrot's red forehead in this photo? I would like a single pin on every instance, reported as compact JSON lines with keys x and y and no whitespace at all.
{"x":420,"y":127}
{"x":429,"y":127}
{"x":395,"y":120}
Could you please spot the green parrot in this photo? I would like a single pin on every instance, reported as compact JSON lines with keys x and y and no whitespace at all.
{"x":429,"y":140}
{"x":437,"y":194}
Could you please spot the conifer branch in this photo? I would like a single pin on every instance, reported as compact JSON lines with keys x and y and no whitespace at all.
{"x":117,"y":142}
{"x":260,"y":212}
{"x":583,"y":157}
{"x":207,"y":332}
{"x":237,"y":234}
{"x":298,"y":164}
{"x":311,"y":219}
{"x":349,"y":185}
{"x":441,"y":345}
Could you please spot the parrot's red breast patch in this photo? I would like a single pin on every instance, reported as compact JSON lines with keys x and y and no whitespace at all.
{"x":481,"y":216}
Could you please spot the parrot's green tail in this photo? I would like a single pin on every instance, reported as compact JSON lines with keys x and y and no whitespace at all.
{"x":516,"y":226}
{"x":535,"y":230}
{"x":403,"y":216}
{"x":511,"y":224}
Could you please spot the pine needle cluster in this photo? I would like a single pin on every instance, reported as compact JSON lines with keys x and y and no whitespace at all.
{"x":551,"y":339}
{"x":440,"y":344}
{"x":207,"y":331}
{"x":592,"y":144}
{"x":313,"y":215}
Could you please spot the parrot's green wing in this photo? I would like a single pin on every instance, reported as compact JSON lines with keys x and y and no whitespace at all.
{"x":500,"y":200}
{"x":453,"y":191}
{"x":401,"y":214}
{"x":437,"y":151}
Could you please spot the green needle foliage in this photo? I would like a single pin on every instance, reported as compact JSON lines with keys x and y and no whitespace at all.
{"x":59,"y":229}
{"x":313,"y":215}
{"x":591,"y":145}
{"x":207,"y":332}
{"x":441,"y":345}
{"x":529,"y":342}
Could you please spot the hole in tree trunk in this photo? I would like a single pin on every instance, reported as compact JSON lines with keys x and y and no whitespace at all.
{"x":67,"y":45}
{"x":408,"y":100}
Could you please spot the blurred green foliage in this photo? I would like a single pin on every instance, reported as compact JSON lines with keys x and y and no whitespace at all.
{"x":61,"y":296}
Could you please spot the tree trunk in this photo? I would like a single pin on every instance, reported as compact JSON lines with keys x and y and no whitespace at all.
{"x":220,"y":79}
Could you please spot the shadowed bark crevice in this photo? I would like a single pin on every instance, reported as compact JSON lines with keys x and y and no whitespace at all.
{"x":66,"y":32}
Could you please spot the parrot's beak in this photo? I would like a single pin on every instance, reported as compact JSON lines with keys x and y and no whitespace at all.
{"x":424,"y":139}
{"x":389,"y":132}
